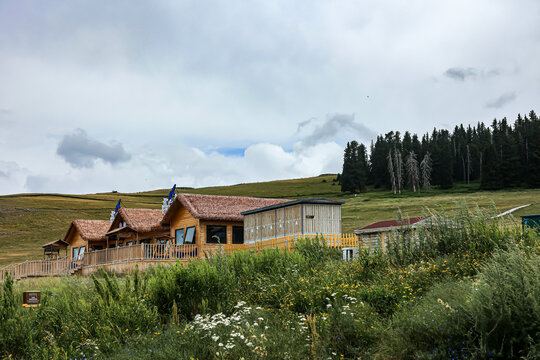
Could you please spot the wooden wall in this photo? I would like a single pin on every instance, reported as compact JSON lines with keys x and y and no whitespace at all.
{"x":183,"y":219}
{"x":293,"y":220}
{"x":228,"y":224}
{"x":75,"y":241}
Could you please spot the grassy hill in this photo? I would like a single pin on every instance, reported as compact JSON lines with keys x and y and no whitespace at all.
{"x":29,"y":220}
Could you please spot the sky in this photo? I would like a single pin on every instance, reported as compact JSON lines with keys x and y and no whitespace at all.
{"x":131,"y":96}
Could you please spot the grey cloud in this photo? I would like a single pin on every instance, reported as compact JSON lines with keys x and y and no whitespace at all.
{"x":464,"y":73}
{"x":80,"y":151}
{"x":459,"y":73}
{"x":501,"y":100}
{"x":335,"y":124}
{"x":3,"y":174}
{"x":302,"y":124}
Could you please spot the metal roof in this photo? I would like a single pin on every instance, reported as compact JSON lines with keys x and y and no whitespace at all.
{"x":317,"y":201}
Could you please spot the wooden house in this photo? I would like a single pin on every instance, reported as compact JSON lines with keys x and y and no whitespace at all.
{"x":136,"y":226}
{"x":379,"y":234}
{"x":51,"y":250}
{"x":85,"y":235}
{"x":293,"y":218}
{"x":210,"y":219}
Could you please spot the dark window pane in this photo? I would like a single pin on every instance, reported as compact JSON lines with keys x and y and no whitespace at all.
{"x":216,"y":234}
{"x":75,"y":254}
{"x":190,"y":235}
{"x":238,"y":235}
{"x":179,"y":235}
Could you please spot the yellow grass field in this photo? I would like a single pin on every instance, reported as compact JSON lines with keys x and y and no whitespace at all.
{"x":29,"y":220}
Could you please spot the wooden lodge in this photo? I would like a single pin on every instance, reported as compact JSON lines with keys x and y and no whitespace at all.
{"x":136,"y":226}
{"x":85,"y":235}
{"x":211,"y":219}
{"x":190,"y":226}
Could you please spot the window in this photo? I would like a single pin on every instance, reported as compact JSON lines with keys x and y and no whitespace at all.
{"x":238,"y":235}
{"x":75,"y":254}
{"x":97,"y":247}
{"x":190,"y":235}
{"x":216,"y":234}
{"x":81,"y":252}
{"x":129,"y":243}
{"x":179,"y":236}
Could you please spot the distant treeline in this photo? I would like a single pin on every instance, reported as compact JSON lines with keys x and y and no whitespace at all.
{"x":504,"y":155}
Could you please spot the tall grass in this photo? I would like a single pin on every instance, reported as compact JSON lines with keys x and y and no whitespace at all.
{"x":467,"y":288}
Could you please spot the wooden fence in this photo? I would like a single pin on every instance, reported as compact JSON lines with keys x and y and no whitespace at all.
{"x":36,"y":268}
{"x":289,"y":242}
{"x":166,"y":252}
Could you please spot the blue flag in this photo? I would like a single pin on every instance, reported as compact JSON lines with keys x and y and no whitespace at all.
{"x":117,"y":206}
{"x":172,"y":192}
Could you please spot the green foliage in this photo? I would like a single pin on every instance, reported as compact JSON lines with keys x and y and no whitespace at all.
{"x":505,"y":305}
{"x":454,"y":300}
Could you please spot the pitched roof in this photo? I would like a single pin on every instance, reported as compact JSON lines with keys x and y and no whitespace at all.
{"x":90,"y":230}
{"x":380,"y":225}
{"x":140,"y":220}
{"x":216,"y":207}
{"x":56,"y":243}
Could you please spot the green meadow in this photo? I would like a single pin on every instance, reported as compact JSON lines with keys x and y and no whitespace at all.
{"x":466,"y":289}
{"x":29,"y":220}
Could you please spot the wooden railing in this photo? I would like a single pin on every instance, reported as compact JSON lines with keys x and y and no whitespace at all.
{"x":289,"y":242}
{"x":167,"y":252}
{"x":35,"y":268}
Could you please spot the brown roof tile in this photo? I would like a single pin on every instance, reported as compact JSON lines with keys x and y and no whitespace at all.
{"x":141,"y":220}
{"x":90,"y":230}
{"x":218,"y":208}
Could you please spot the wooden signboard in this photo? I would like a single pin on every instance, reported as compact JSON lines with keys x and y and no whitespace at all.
{"x":31,"y":298}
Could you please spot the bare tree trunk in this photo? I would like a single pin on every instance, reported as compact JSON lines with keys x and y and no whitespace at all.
{"x":425,"y":167}
{"x":412,"y":171}
{"x":468,"y":164}
{"x":391,"y":172}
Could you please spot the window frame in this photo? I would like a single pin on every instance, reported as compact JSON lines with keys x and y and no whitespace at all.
{"x":183,"y":236}
{"x":237,"y":228}
{"x":193,"y":236}
{"x":208,"y":237}
{"x":82,"y":251}
{"x":74,"y":253}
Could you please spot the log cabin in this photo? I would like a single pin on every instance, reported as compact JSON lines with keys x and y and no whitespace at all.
{"x":83,"y":235}
{"x":136,"y":226}
{"x":210,"y":219}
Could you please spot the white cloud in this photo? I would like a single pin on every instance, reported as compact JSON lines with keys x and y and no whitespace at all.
{"x":171,"y":80}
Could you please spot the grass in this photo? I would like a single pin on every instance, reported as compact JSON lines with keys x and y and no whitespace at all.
{"x":29,"y":220}
{"x":465,"y":291}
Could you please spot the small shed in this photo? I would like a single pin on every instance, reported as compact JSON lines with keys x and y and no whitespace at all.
{"x":531,"y":221}
{"x":296,"y":217}
{"x":52,"y":249}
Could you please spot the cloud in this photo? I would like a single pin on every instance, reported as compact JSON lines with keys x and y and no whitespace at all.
{"x":81,"y":151}
{"x":458,"y":73}
{"x":501,"y":100}
{"x":12,"y":177}
{"x":464,"y":73}
{"x":333,"y":126}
